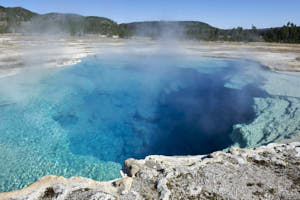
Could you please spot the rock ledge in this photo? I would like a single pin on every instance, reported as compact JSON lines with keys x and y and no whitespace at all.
{"x":267,"y":172}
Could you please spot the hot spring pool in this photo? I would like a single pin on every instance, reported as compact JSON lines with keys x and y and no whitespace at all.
{"x":87,"y":119}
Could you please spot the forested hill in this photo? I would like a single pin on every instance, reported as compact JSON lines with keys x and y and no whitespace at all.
{"x":158,"y":29}
{"x":289,"y":33}
{"x":11,"y":18}
{"x":21,"y":20}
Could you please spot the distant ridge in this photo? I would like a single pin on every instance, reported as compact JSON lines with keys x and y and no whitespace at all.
{"x":156,"y":29}
{"x":20,"y":20}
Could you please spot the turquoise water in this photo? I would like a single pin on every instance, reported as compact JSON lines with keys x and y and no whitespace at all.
{"x":85,"y":120}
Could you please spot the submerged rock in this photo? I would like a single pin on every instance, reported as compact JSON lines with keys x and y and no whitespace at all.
{"x":267,"y":172}
{"x":277,"y":120}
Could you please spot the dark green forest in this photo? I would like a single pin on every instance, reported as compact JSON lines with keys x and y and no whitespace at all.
{"x":20,"y":20}
{"x":289,"y":33}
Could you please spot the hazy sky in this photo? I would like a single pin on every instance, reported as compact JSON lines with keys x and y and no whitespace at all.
{"x":219,"y":13}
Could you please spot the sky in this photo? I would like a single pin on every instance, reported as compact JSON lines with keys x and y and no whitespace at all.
{"x":218,"y":13}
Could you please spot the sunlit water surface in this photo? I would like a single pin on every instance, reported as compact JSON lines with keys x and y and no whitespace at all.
{"x":87,"y":119}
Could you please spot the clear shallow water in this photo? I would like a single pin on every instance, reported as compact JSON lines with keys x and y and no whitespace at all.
{"x":87,"y":119}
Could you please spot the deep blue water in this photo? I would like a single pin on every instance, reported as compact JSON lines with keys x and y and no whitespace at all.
{"x":87,"y":119}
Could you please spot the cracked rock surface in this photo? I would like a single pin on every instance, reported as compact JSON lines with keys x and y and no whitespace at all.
{"x":267,"y":172}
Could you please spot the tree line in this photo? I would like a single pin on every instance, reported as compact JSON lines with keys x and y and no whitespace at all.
{"x":288,"y":33}
{"x":25,"y":21}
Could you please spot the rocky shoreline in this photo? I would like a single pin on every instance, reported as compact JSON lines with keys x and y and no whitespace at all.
{"x":266,"y":172}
